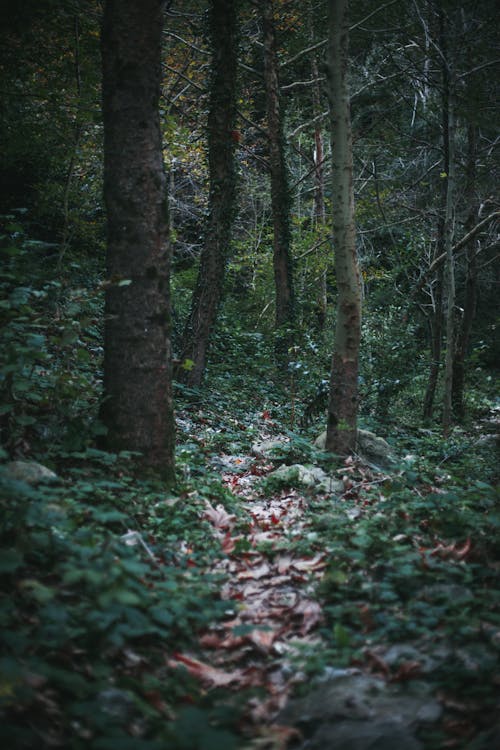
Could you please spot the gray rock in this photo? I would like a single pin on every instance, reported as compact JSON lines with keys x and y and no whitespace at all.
{"x":307,"y":476}
{"x":30,"y":472}
{"x":370,"y":446}
{"x":404,"y":652}
{"x":360,"y":712}
{"x":269,"y":448}
{"x":362,"y":735}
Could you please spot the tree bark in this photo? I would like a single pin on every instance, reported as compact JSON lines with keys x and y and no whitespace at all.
{"x":435,"y":335}
{"x":222,"y":138}
{"x":449,"y":223}
{"x":319,"y":191}
{"x":280,"y":199}
{"x":469,"y":312}
{"x":137,"y":407}
{"x":343,"y":404}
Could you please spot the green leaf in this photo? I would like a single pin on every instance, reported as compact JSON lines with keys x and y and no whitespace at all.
{"x":10,"y":560}
{"x":341,"y":635}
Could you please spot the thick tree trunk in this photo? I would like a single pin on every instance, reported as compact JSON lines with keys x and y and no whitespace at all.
{"x":221,"y":142}
{"x":137,"y":407}
{"x":343,"y":405}
{"x":280,"y":199}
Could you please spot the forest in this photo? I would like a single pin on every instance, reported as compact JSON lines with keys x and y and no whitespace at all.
{"x":249,"y":368}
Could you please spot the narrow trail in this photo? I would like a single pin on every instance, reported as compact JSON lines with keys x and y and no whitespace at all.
{"x":272,"y":613}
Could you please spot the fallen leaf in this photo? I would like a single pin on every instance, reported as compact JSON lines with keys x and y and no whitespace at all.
{"x":258,"y":572}
{"x":205,"y":672}
{"x":310,"y":612}
{"x":262,"y":639}
{"x":408,"y":670}
{"x":283,"y":563}
{"x":315,"y":563}
{"x":219,"y":516}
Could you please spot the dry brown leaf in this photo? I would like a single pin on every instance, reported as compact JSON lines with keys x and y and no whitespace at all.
{"x":311,"y":614}
{"x":283,"y":563}
{"x":262,"y":639}
{"x":315,"y":563}
{"x":207,"y":673}
{"x":259,"y":571}
{"x":219,"y":516}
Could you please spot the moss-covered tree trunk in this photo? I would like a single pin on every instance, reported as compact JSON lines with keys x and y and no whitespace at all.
{"x":343,"y":404}
{"x":137,"y":406}
{"x":280,"y":198}
{"x":221,"y":143}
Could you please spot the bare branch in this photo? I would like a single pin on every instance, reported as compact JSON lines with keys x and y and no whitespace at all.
{"x":295,"y":84}
{"x":455,"y":249}
{"x":479,"y":67}
{"x":188,"y":44}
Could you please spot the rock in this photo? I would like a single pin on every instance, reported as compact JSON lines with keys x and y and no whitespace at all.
{"x":363,"y":735}
{"x":270,"y":448}
{"x":30,"y":472}
{"x":370,"y":446}
{"x":404,"y":652}
{"x":307,"y":476}
{"x":360,"y":712}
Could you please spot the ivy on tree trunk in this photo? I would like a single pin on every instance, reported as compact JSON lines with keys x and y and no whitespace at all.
{"x":222,"y":138}
{"x":137,"y":407}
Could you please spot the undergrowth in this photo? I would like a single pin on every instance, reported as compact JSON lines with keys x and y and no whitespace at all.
{"x":103,"y":574}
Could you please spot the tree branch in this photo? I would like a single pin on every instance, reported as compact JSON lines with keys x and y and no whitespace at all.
{"x":455,"y":249}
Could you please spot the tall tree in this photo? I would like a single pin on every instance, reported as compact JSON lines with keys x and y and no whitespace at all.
{"x":280,"y":198}
{"x":343,"y":403}
{"x":449,"y":217}
{"x":137,"y":407}
{"x":222,"y":137}
{"x":471,"y":276}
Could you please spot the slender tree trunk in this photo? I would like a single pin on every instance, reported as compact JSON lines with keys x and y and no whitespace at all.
{"x":222,"y":137}
{"x":343,"y":405}
{"x":319,"y":191}
{"x":449,"y":224}
{"x":470,"y":283}
{"x":435,"y":334}
{"x":436,"y":317}
{"x":137,"y":408}
{"x":280,"y":199}
{"x":76,"y":144}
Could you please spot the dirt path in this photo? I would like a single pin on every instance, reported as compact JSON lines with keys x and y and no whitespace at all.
{"x":271,"y":613}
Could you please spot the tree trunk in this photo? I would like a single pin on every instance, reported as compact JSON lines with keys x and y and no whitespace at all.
{"x":137,"y":408}
{"x":222,"y":137}
{"x":470,"y":283}
{"x":343,"y":405}
{"x":449,"y":224}
{"x":280,"y":199}
{"x":319,"y":191}
{"x":435,"y":334}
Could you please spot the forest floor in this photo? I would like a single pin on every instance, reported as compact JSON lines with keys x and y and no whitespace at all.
{"x":252,"y":608}
{"x":356,"y":617}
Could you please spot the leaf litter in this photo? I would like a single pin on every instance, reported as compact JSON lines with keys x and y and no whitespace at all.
{"x":275,"y":607}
